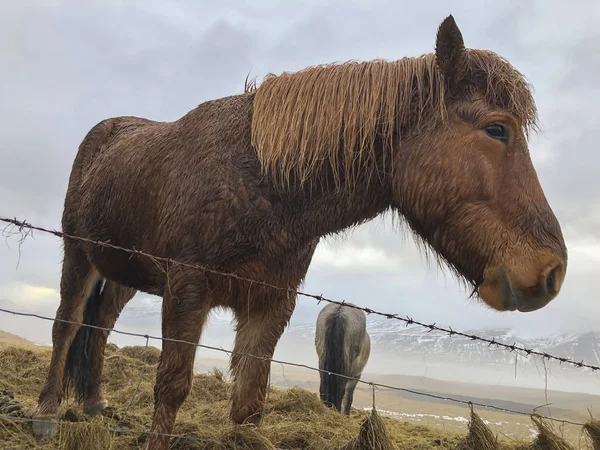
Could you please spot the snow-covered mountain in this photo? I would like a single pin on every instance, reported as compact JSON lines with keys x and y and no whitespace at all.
{"x":393,"y":337}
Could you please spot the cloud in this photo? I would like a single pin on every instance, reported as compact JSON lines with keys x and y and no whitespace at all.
{"x":351,"y":257}
{"x":36,"y":293}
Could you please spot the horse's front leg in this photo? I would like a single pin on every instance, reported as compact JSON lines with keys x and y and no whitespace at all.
{"x":259,"y":327}
{"x":185,"y":309}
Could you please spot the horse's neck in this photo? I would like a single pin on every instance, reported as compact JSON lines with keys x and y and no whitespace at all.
{"x":329,"y":211}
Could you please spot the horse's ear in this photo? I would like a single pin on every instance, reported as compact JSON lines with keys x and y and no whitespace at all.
{"x":450,"y":51}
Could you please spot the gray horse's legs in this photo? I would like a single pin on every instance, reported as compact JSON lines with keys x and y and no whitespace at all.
{"x":349,"y":397}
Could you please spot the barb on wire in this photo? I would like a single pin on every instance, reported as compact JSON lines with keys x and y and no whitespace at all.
{"x":287,"y":363}
{"x":22,"y":225}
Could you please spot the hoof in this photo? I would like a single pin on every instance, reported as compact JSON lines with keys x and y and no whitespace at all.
{"x":247,"y":420}
{"x":97,"y":408}
{"x":44,"y":428}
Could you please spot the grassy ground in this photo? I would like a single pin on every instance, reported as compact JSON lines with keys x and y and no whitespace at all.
{"x":452,"y":416}
{"x":295,"y":418}
{"x":447,"y":415}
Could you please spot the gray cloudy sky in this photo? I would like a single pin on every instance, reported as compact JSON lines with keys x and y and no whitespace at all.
{"x":68,"y":64}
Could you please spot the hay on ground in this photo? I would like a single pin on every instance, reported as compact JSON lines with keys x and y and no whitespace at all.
{"x":246,"y":438}
{"x":592,"y":429}
{"x":92,"y":435}
{"x":547,"y":439}
{"x":479,"y":437}
{"x":295,"y":419}
{"x":373,"y":435}
{"x":152,"y":354}
{"x":235,"y":438}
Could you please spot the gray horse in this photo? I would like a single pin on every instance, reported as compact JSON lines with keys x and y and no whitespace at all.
{"x":343,"y":346}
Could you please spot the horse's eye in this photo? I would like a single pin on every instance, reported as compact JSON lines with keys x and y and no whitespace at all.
{"x":497,"y":131}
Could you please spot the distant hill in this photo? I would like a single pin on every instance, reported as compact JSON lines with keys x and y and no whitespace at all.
{"x":393,"y":337}
{"x":9,"y":338}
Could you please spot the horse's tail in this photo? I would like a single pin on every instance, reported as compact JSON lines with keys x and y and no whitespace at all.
{"x":333,"y":386}
{"x":78,"y":363}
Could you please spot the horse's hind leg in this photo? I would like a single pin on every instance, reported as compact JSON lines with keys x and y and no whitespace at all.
{"x":78,"y":282}
{"x":349,"y":397}
{"x":258,"y":331}
{"x":360,"y":358}
{"x":185,"y":309}
{"x":113,"y":299}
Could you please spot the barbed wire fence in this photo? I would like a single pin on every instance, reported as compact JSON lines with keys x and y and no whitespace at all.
{"x":22,"y":225}
{"x":25,"y":229}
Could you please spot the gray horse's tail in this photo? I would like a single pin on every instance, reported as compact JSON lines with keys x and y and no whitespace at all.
{"x":333,"y":386}
{"x":77,"y":367}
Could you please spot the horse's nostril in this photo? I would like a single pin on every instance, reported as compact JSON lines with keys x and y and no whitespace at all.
{"x":551,"y":281}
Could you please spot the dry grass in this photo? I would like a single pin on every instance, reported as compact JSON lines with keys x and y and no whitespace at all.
{"x":547,"y":439}
{"x":592,"y":429}
{"x":294,"y":418}
{"x":479,"y":437}
{"x":92,"y":435}
{"x":373,"y":435}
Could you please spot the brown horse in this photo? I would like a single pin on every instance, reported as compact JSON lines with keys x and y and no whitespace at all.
{"x":250,"y":183}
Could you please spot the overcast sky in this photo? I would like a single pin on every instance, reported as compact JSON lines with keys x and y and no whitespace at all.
{"x":68,"y":64}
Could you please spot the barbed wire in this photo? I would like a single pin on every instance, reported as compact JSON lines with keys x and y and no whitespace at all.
{"x":372,"y":384}
{"x":21,"y":224}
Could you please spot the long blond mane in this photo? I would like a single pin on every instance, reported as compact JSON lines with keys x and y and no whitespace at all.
{"x":335,"y":114}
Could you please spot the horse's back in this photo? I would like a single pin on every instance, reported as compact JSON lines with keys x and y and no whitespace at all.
{"x":154,"y":186}
{"x":354,"y":322}
{"x":123,"y":161}
{"x":348,"y":312}
{"x":353,"y":341}
{"x":94,"y":147}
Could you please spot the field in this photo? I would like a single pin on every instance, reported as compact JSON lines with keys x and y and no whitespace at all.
{"x":295,"y":419}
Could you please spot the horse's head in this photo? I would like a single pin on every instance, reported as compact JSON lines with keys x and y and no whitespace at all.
{"x":467,"y":186}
